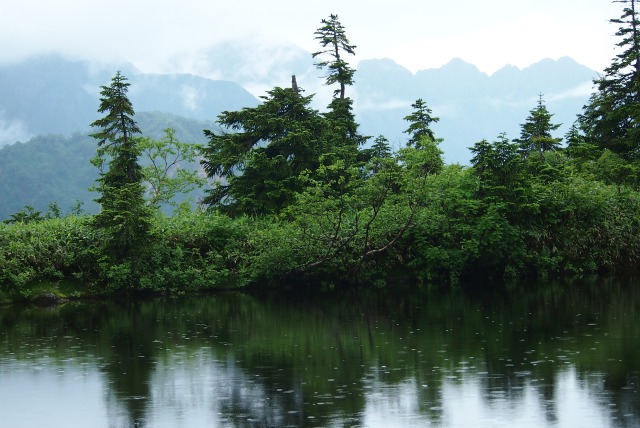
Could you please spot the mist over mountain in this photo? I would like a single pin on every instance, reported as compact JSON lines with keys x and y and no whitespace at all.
{"x":52,"y":95}
{"x":48,"y":103}
{"x":256,"y":66}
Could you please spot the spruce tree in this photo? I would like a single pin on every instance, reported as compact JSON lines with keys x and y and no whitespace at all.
{"x":380,"y":148}
{"x":422,"y":155}
{"x":611,"y":119}
{"x":123,"y":214}
{"x":577,"y":147}
{"x":535,"y":133}
{"x":420,"y":123}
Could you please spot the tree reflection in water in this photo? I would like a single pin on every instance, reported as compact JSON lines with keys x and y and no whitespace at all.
{"x":545,"y":356}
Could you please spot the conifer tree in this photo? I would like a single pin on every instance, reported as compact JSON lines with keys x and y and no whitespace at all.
{"x":422,"y":155}
{"x":611,"y":119}
{"x":258,"y":164}
{"x":380,"y":152}
{"x":380,"y":148}
{"x":500,"y":169}
{"x":577,"y":147}
{"x":420,"y":123}
{"x":334,"y":42}
{"x":344,"y":136}
{"x":123,"y":212}
{"x":535,"y":134}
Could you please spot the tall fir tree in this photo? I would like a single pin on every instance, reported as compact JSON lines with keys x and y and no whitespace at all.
{"x":335,"y":46}
{"x":611,"y":118}
{"x":380,"y":148}
{"x":123,"y":215}
{"x":422,"y":155}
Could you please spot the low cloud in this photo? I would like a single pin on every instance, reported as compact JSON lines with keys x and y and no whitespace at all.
{"x":382,"y":106}
{"x":12,"y":131}
{"x":581,"y":91}
{"x":190,"y":97}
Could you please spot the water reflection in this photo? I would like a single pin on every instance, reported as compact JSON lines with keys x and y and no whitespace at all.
{"x":558,"y":356}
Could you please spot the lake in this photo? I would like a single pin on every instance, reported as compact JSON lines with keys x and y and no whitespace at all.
{"x":558,"y":355}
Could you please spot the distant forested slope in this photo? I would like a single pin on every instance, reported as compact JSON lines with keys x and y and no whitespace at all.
{"x":57,"y":168}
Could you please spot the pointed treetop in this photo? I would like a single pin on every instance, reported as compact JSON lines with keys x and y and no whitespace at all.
{"x":420,"y":122}
{"x":535,"y":134}
{"x":334,"y":42}
{"x":118,"y":125}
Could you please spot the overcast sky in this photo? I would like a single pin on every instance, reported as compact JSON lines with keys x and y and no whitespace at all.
{"x":417,"y":34}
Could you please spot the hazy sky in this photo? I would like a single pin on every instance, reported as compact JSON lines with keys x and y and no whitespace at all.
{"x":417,"y":34}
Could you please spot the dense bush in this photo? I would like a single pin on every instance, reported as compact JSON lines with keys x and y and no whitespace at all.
{"x":49,"y":249}
{"x":437,"y":230}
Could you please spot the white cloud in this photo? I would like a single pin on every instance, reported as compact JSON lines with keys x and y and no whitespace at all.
{"x":190,"y":97}
{"x":12,"y":131}
{"x":582,"y":91}
{"x":381,"y":106}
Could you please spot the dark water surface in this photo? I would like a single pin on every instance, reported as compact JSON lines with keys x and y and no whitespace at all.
{"x":559,"y":356}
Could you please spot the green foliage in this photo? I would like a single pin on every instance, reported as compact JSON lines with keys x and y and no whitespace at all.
{"x":611,"y":119}
{"x":578,"y":149}
{"x":335,"y":44}
{"x":189,"y":251}
{"x":259,"y":163}
{"x":612,"y":168}
{"x":379,"y":150}
{"x":197,"y":250}
{"x":585,"y":225}
{"x":420,"y":123}
{"x":442,"y":243}
{"x":424,"y":157}
{"x":361,"y":226}
{"x":342,"y":137}
{"x":26,"y":215}
{"x":49,"y":249}
{"x":166,"y":169}
{"x":346,"y":224}
{"x":501,"y":171}
{"x":535,"y":135}
{"x":50,"y":168}
{"x":297,"y":201}
{"x":117,"y":128}
{"x":123,"y":216}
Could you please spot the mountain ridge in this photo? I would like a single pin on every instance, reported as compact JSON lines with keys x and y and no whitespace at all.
{"x":51,"y":95}
{"x":471,"y":104}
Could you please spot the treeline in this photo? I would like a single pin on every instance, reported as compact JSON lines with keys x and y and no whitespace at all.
{"x":298,"y":199}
